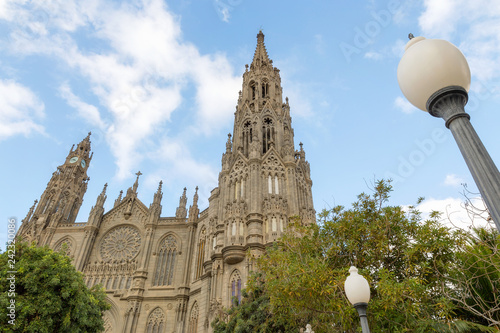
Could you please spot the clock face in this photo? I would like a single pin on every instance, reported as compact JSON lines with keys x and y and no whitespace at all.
{"x":73,"y":159}
{"x":83,"y":163}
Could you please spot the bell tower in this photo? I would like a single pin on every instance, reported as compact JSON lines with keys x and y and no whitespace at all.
{"x":62,"y":199}
{"x":264,"y":180}
{"x":260,"y":114}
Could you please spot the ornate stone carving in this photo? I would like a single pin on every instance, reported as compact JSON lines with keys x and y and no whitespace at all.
{"x":108,"y":326}
{"x":121,"y":243}
{"x":156,"y":318}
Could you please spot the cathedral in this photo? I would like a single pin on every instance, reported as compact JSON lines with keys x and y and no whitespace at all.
{"x":174,"y":274}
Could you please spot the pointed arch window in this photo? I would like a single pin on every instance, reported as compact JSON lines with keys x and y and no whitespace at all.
{"x":167,"y":253}
{"x":47,"y":204}
{"x":193,"y":319}
{"x":276,"y":185}
{"x":201,"y":253}
{"x":156,"y":321}
{"x":72,"y":212}
{"x":235,"y":283}
{"x":65,"y":245}
{"x":247,"y":137}
{"x":265,"y":89}
{"x":267,"y":134}
{"x":253,"y":90}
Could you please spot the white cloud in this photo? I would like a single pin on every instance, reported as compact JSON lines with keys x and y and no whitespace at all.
{"x":139,"y":76}
{"x":300,"y":103}
{"x":217,"y":92}
{"x":88,"y":112}
{"x":454,"y":211}
{"x":373,"y":55}
{"x":453,"y":180}
{"x":223,"y":10}
{"x":20,"y":110}
{"x":440,"y":16}
{"x":177,"y":163}
{"x":474,"y":25}
{"x":403,"y":105}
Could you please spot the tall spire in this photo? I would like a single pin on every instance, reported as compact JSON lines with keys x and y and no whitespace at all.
{"x":193,"y":209}
{"x":181,"y":210}
{"x":195,"y":198}
{"x":102,"y":197}
{"x":119,"y":199}
{"x":261,"y":118}
{"x":229,"y":144}
{"x":260,"y":57}
{"x":159,"y":194}
{"x":83,"y":148}
{"x":155,"y":207}
{"x":97,"y":211}
{"x":30,"y":212}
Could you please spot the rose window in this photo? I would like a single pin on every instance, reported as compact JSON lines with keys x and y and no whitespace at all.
{"x":121,"y":244}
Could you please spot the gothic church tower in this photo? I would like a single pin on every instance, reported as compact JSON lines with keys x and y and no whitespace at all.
{"x":264,"y":180}
{"x":63,"y":197}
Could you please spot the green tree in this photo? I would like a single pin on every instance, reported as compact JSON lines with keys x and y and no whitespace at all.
{"x":49,"y":294}
{"x":403,"y":257}
{"x":253,"y":314}
{"x":476,"y":277}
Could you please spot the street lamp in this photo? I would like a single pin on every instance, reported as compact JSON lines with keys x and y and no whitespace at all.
{"x":435,"y":77}
{"x":357,"y":291}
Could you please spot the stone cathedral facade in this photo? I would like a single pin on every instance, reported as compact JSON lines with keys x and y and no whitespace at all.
{"x":173,"y":274}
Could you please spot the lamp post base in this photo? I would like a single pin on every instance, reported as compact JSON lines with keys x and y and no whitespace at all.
{"x":448,"y":103}
{"x":361,"y":307}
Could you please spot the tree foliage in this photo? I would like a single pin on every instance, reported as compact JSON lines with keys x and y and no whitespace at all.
{"x":49,"y":294}
{"x":253,"y":314}
{"x":403,"y":257}
{"x":476,"y":277}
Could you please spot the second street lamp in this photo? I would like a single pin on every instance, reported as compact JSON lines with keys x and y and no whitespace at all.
{"x":357,"y":291}
{"x":434,"y":76}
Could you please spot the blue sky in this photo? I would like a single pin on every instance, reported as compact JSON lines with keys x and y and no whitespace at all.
{"x":157,"y":83}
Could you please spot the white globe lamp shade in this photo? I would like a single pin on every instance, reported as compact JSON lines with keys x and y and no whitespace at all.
{"x":356,"y":287}
{"x":429,"y":65}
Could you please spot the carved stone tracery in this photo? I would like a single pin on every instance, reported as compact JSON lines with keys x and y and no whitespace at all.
{"x":156,"y":321}
{"x":121,"y":243}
